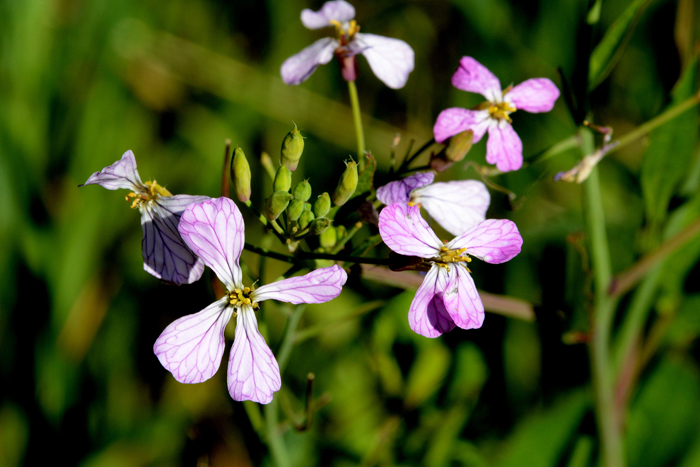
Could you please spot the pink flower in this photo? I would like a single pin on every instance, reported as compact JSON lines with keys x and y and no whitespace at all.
{"x":447,"y":297}
{"x":191,"y":347}
{"x":390,"y":59}
{"x":456,"y":205}
{"x":504,"y":147}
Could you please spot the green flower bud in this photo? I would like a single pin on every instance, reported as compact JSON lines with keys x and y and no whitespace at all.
{"x":292,"y":147}
{"x":240,"y":174}
{"x":459,"y":146}
{"x":306,"y":218}
{"x":307,"y":207}
{"x":283,"y":179}
{"x":346,"y":185}
{"x":328,"y":238}
{"x":295,"y":208}
{"x":319,"y":225}
{"x":322,"y":205}
{"x":341,"y":232}
{"x":276,"y":204}
{"x":302,"y":191}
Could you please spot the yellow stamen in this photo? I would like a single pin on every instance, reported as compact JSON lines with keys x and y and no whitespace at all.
{"x":501,"y":111}
{"x":337,"y":24}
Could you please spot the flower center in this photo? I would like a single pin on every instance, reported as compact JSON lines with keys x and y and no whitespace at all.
{"x":448,"y":256}
{"x":151,"y":192}
{"x":501,"y":110}
{"x":240,"y":297}
{"x":345,"y":35}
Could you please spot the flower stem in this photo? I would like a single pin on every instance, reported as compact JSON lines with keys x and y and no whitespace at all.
{"x":357,"y":119}
{"x":339,"y":246}
{"x":307,"y":256}
{"x":274,"y":437}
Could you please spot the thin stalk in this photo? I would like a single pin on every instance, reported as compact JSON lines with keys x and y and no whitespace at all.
{"x":278,"y":450}
{"x":277,"y":229}
{"x":351,"y":233}
{"x":408,"y":160}
{"x":290,"y":332}
{"x":357,"y":119}
{"x":225,"y":190}
{"x":306,"y":255}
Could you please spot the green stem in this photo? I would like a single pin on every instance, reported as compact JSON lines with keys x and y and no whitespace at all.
{"x":290,"y":332}
{"x":339,"y":246}
{"x":357,"y":119}
{"x":274,"y":437}
{"x":278,"y":230}
{"x":304,"y":256}
{"x":404,"y":165}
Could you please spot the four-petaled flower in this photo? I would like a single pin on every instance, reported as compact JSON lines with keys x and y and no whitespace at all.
{"x":455,"y":205}
{"x":164,"y":254}
{"x":447,"y":297}
{"x":504,"y":147}
{"x":390,"y":59}
{"x":191,"y":347}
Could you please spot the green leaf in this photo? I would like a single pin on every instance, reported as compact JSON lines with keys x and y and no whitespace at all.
{"x":610,"y":48}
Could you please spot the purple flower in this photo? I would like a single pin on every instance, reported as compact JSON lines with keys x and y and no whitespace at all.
{"x":456,"y":205}
{"x":504,"y":147}
{"x":164,"y":254}
{"x":191,"y":347}
{"x":447,"y":297}
{"x":390,"y":59}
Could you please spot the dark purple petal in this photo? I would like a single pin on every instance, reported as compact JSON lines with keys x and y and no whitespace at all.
{"x":192,"y":346}
{"x":462,"y":300}
{"x":456,"y":120}
{"x":534,"y":95}
{"x":299,"y":67}
{"x":428,"y":315}
{"x":399,"y":191}
{"x":121,"y":174}
{"x":456,"y":205}
{"x":504,"y":147}
{"x":253,"y":372}
{"x":214,"y":231}
{"x":318,"y":286}
{"x":391,"y":60}
{"x":494,"y":241}
{"x":338,"y":10}
{"x":472,"y":76}
{"x":404,"y":230}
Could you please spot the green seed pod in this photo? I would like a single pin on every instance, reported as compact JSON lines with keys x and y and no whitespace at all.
{"x":322,"y":205}
{"x":276,"y":204}
{"x":346,"y":185}
{"x":302,"y":191}
{"x":319,"y":225}
{"x":306,"y":218}
{"x":295,"y":208}
{"x":292,"y":148}
{"x":328,"y":238}
{"x":283,"y":179}
{"x":240,"y":174}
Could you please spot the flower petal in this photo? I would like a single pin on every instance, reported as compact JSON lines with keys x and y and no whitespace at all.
{"x":472,"y":76}
{"x":297,"y":68}
{"x":534,"y":95}
{"x":253,"y":372}
{"x":428,"y":315}
{"x":462,"y":300}
{"x":456,"y":205}
{"x":338,"y":10}
{"x":165,"y":254}
{"x":504,"y":147}
{"x":391,"y":60}
{"x":404,"y":230}
{"x":399,"y":191}
{"x":456,"y":120}
{"x":192,"y":346}
{"x":121,"y":174}
{"x":214,"y":231}
{"x":494,"y":241}
{"x":318,"y":286}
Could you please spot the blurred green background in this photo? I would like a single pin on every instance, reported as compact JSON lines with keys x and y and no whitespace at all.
{"x":82,"y":81}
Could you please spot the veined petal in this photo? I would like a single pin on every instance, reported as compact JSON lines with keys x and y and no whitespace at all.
{"x":455,"y":120}
{"x":165,"y":254}
{"x":253,"y":372}
{"x":504,"y":147}
{"x":456,"y":205}
{"x":318,"y":286}
{"x":399,"y":191}
{"x":297,"y":68}
{"x":338,"y":10}
{"x":472,"y":76}
{"x":192,"y":346}
{"x":121,"y":174}
{"x":534,"y":95}
{"x":214,"y":231}
{"x":428,"y":315}
{"x":462,"y":300}
{"x":405,"y":231}
{"x":391,"y":60}
{"x":494,"y":241}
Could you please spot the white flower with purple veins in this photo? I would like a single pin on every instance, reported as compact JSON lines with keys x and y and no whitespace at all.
{"x":164,"y":254}
{"x":191,"y":347}
{"x":456,"y":205}
{"x":504,"y":147}
{"x":447,"y":297}
{"x":390,"y":59}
